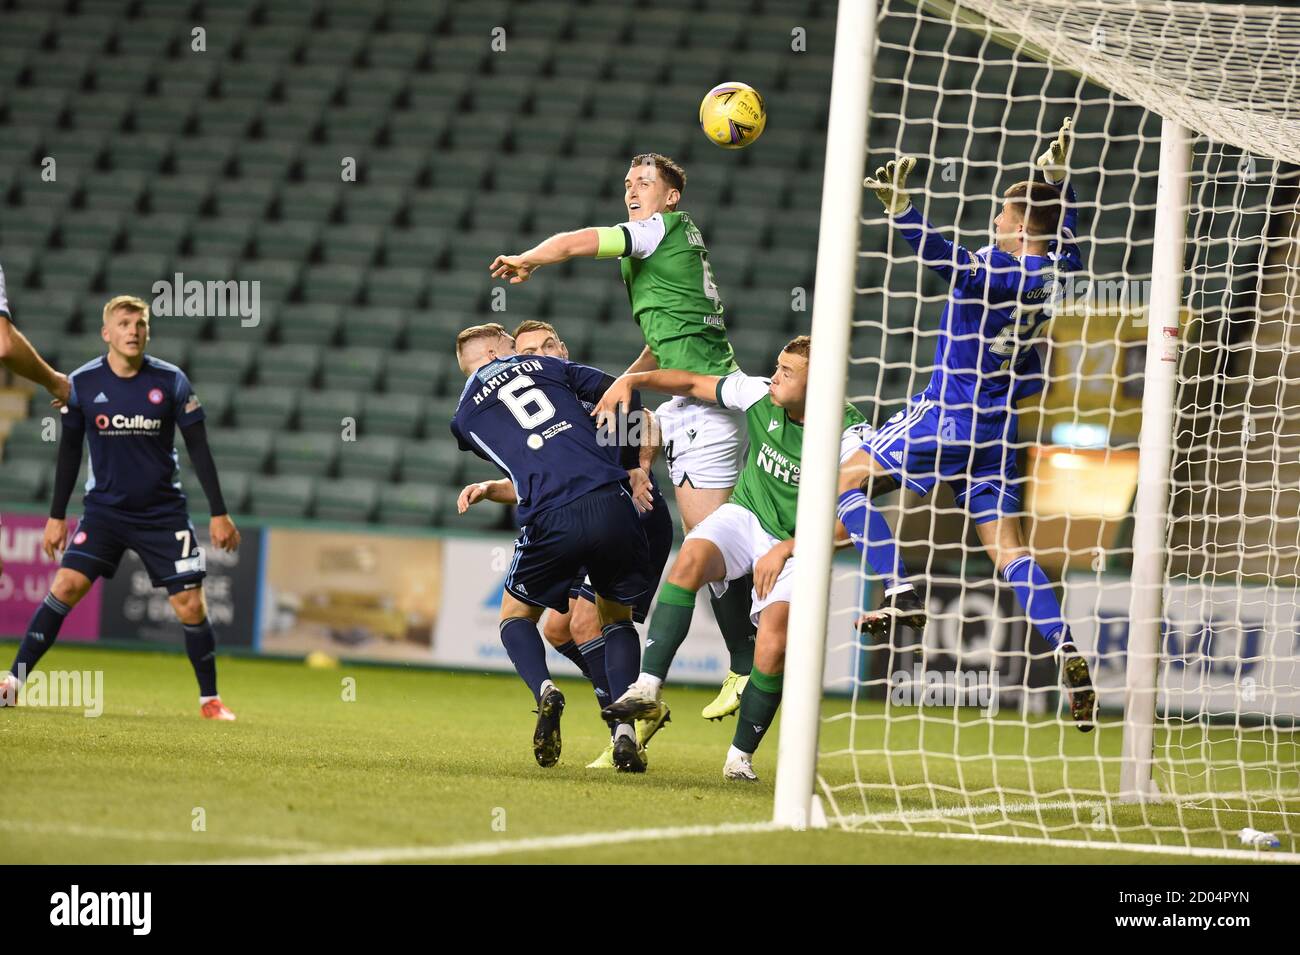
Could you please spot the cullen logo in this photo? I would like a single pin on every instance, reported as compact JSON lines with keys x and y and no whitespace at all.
{"x":155,"y":396}
{"x":103,"y":908}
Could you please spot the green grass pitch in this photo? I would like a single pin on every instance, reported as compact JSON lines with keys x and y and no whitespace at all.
{"x":419,"y":766}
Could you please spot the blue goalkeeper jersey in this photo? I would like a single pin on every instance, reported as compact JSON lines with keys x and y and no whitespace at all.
{"x":130,"y":427}
{"x":526,"y":415}
{"x":987,"y":357}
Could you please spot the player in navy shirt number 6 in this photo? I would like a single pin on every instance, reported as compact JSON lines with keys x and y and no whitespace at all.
{"x":127,"y":406}
{"x":525,"y":414}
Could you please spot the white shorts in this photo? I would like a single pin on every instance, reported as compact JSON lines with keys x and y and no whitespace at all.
{"x":737,"y":533}
{"x":702,"y":443}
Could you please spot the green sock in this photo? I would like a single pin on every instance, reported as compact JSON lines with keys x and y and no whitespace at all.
{"x":758,"y":705}
{"x":668,"y":626}
{"x":732,"y":613}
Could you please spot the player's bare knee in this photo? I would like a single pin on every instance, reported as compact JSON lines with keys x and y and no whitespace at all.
{"x":690,"y":571}
{"x":190,"y":606}
{"x":69,"y":586}
{"x":556,"y":629}
{"x":1005,"y":558}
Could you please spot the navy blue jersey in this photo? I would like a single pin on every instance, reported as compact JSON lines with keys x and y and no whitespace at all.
{"x":526,"y":415}
{"x":130,"y":426}
{"x":986,"y":358}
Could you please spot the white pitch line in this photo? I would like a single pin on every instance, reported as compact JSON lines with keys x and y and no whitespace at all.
{"x":152,"y":835}
{"x":1198,"y":852}
{"x":478,"y":850}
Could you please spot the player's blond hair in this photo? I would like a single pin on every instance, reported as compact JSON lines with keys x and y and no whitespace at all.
{"x":535,"y":325}
{"x":475,"y":332}
{"x":128,"y":302}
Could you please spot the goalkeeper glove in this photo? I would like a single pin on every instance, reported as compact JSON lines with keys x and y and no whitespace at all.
{"x":888,"y":184}
{"x":1052,"y":162}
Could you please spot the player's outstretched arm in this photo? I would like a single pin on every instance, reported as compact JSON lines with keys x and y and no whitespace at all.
{"x":669,"y":381}
{"x":581,"y":243}
{"x":500,"y":490}
{"x":222,"y":530}
{"x":18,"y":355}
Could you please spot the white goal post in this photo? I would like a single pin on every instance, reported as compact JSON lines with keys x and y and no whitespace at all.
{"x":1188,"y":123}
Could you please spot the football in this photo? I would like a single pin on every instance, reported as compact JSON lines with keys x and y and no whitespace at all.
{"x":732,"y":115}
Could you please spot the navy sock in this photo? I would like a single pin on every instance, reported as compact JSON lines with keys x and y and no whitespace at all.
{"x":524,"y":646}
{"x":1035,"y":593}
{"x":622,"y":656}
{"x":593,"y":654}
{"x":41,"y":634}
{"x":573,"y":652}
{"x":201,"y":648}
{"x":870,"y":534}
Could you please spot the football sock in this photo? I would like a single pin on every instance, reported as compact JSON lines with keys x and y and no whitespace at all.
{"x":669,"y":625}
{"x":758,"y":705}
{"x":201,"y":648}
{"x":41,"y":634}
{"x":573,"y":652}
{"x":732,"y":613}
{"x":593,"y":659}
{"x":870,"y":534}
{"x":622,"y":656}
{"x":527,"y":652}
{"x":1034,"y":591}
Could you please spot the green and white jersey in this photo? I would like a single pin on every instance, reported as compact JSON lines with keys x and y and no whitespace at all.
{"x":665,"y":266}
{"x":769,"y":484}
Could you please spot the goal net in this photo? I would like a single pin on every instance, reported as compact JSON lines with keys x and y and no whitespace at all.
{"x":964,"y":728}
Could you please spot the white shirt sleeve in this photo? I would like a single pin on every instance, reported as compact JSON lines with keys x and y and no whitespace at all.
{"x":4,"y":299}
{"x":853,"y":438}
{"x":740,"y":391}
{"x":646,"y":234}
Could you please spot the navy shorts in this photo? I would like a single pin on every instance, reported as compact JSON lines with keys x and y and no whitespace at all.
{"x":658,"y":526}
{"x":168,"y":548}
{"x":600,"y":531}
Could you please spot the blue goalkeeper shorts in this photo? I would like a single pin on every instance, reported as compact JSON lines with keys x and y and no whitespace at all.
{"x":976,"y":457}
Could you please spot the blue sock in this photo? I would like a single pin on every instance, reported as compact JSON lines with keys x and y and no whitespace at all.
{"x":870,"y":533}
{"x":524,"y":646}
{"x":573,"y":652}
{"x":1035,"y":594}
{"x":622,"y":656}
{"x":201,"y":648}
{"x":593,"y":655}
{"x":41,"y":634}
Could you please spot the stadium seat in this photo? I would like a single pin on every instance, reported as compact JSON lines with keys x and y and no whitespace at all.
{"x":305,"y":454}
{"x":314,"y":324}
{"x":225,"y":363}
{"x":24,"y":480}
{"x":416,"y":372}
{"x":370,"y":456}
{"x":346,"y":499}
{"x":331,"y":411}
{"x":240,"y":449}
{"x":289,"y":496}
{"x":409,"y":505}
{"x":373,"y":326}
{"x":433,"y":461}
{"x":393,"y":414}
{"x":352,"y":368}
{"x":288,"y":366}
{"x":266,"y":406}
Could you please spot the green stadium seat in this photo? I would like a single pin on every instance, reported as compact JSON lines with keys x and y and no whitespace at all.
{"x":202,"y":157}
{"x":306,"y":454}
{"x":135,"y":273}
{"x":373,"y":205}
{"x":22,"y":481}
{"x":332,"y":283}
{"x":288,"y":366}
{"x":244,"y":198}
{"x":397,"y":288}
{"x":355,"y":368}
{"x":37,"y":108}
{"x":434,"y":461}
{"x":397,"y":51}
{"x":292,"y":241}
{"x":277,"y":279}
{"x":409,"y":505}
{"x":118,"y":190}
{"x":398,"y":166}
{"x":315,"y":324}
{"x":310,"y":202}
{"x":500,"y":210}
{"x":644,"y":63}
{"x":785,"y":267}
{"x":420,"y":248}
{"x":481,"y":517}
{"x":527,"y":58}
{"x":435,"y":328}
{"x":371,"y":326}
{"x":72,"y":270}
{"x":412,"y":129}
{"x":223,"y":363}
{"x":221,"y":237}
{"x":272,"y":44}
{"x":476,"y":469}
{"x":329,"y":410}
{"x":266,"y":159}
{"x":397,"y":415}
{"x":416,"y":372}
{"x":460,"y":292}
{"x":286,"y":496}
{"x":240,"y":449}
{"x":216,"y":400}
{"x":371,"y":456}
{"x":347,"y":499}
{"x":479,"y":132}
{"x":92,"y":229}
{"x":562,"y":97}
{"x":227,"y":117}
{"x":31,"y":440}
{"x":234,"y":489}
{"x":266,"y":406}
{"x":337,"y":48}
{"x":463,"y":55}
{"x":251,"y":81}
{"x":351,"y":244}
{"x":442,"y":208}
{"x":597,"y":25}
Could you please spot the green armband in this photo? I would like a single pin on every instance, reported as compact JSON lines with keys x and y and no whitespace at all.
{"x":611,"y":242}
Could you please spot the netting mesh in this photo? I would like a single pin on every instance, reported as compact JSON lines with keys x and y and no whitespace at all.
{"x":964,"y":727}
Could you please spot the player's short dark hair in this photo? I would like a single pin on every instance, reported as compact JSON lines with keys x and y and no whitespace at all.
{"x":1039,"y":205}
{"x":535,"y":325}
{"x":799,"y":346}
{"x":672,"y":171}
{"x":490,"y":330}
